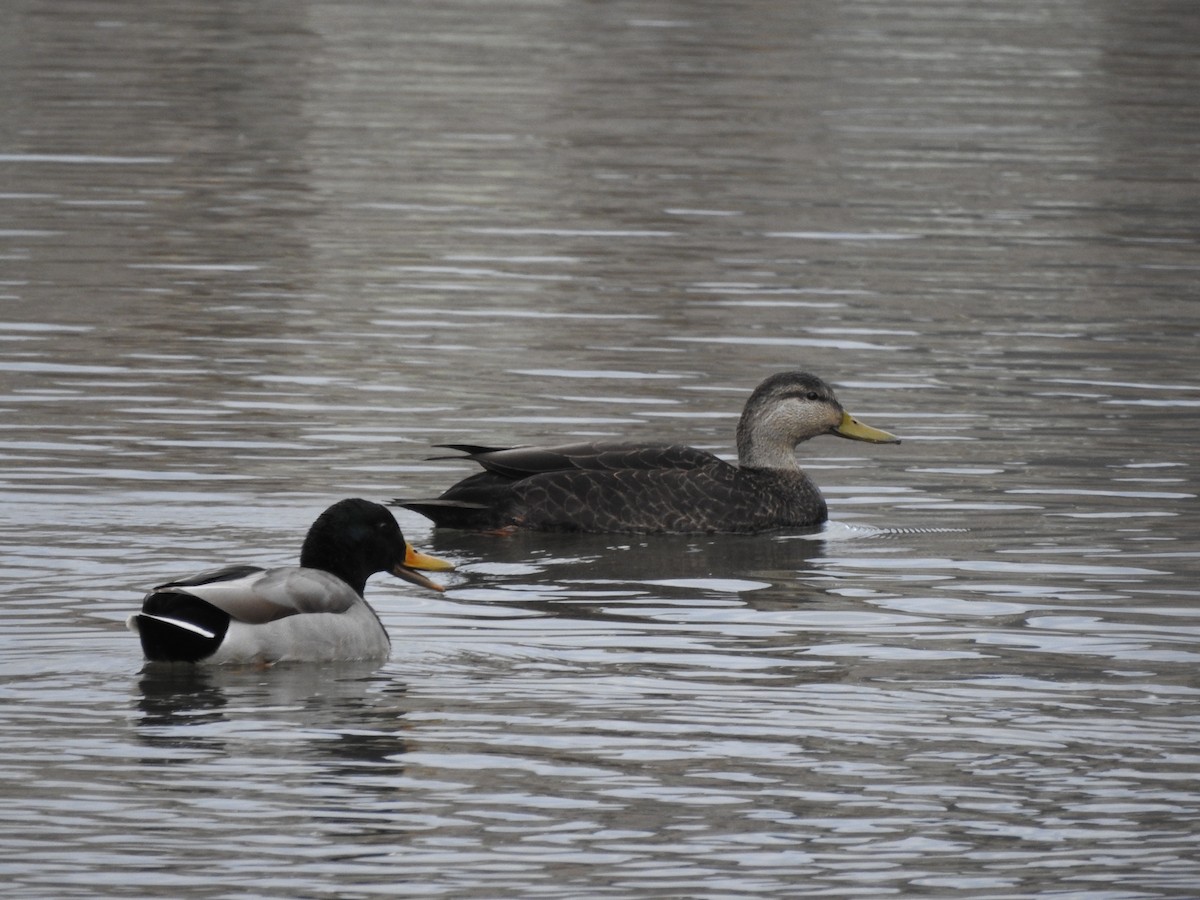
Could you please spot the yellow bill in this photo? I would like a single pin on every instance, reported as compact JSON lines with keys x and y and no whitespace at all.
{"x":851,"y":428}
{"x":414,"y":560}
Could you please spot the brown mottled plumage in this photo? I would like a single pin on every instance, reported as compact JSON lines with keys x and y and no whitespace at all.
{"x":615,"y":487}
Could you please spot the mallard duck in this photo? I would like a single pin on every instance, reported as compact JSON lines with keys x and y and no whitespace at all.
{"x":620,"y":487}
{"x":311,"y":612}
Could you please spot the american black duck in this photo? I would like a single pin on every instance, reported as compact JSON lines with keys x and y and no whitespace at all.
{"x":644,"y":488}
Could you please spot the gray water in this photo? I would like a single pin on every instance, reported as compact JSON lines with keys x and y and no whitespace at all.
{"x":256,"y":257}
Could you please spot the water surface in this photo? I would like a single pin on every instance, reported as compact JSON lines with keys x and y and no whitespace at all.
{"x":256,"y":258}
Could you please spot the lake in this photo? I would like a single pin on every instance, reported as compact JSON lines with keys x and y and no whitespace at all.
{"x":258,"y":257}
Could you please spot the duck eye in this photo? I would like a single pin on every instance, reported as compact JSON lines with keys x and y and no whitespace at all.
{"x":813,"y":395}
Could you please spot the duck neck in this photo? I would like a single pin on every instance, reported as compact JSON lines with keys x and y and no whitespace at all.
{"x":327,"y":559}
{"x":760,"y":448}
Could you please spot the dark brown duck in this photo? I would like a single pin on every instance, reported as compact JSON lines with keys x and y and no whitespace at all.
{"x":620,"y":487}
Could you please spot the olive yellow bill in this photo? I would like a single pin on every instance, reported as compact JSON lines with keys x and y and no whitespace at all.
{"x":851,"y":428}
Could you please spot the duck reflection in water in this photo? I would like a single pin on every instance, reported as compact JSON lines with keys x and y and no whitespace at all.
{"x":348,"y":712}
{"x":588,"y":576}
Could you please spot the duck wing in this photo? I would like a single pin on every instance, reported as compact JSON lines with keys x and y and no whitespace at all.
{"x":493,"y":499}
{"x":515,"y":463}
{"x":254,"y":596}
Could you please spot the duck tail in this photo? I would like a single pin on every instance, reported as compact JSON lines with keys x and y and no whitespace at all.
{"x":452,"y":513}
{"x":177,"y":627}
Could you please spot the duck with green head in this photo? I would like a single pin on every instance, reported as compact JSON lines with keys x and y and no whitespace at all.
{"x":313,"y":612}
